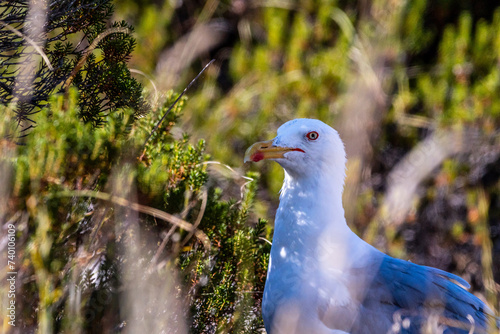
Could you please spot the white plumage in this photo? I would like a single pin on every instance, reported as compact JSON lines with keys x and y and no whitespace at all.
{"x":323,"y":278}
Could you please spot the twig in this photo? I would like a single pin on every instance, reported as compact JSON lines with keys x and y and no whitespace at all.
{"x":162,"y":246}
{"x":204,"y":200}
{"x":242,"y":188}
{"x":170,"y":108}
{"x":264,"y":239}
{"x":89,"y":50}
{"x":102,"y":218}
{"x":140,"y":208}
{"x":133,"y":70}
{"x":212,"y":162}
{"x":31,"y":42}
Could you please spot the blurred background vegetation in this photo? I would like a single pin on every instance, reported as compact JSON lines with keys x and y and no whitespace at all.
{"x":115,"y":235}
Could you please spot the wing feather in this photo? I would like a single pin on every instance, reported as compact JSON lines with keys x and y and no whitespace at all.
{"x":413,"y":294}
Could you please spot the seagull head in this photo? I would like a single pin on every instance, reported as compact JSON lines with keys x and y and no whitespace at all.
{"x":303,"y":147}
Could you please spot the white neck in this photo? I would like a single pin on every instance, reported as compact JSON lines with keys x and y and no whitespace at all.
{"x":313,"y":203}
{"x":310,"y":221}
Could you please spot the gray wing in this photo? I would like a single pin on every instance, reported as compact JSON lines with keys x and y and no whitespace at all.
{"x":403,"y":296}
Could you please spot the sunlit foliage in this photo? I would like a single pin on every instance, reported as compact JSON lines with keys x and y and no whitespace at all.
{"x":97,"y":249}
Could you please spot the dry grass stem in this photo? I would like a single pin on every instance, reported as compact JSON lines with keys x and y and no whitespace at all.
{"x":143,"y":209}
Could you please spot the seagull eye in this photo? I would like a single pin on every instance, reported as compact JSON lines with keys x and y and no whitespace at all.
{"x":313,"y":135}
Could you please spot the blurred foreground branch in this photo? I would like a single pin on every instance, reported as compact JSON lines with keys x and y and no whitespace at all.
{"x":140,"y":208}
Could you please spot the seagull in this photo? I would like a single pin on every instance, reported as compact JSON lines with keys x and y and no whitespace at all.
{"x":323,"y":279}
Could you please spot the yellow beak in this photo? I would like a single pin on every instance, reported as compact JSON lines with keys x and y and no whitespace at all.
{"x":265,"y":150}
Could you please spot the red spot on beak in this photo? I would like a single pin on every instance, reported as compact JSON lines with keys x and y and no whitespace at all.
{"x":257,"y":157}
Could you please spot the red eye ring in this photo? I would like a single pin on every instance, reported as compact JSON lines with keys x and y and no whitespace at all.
{"x":313,"y":135}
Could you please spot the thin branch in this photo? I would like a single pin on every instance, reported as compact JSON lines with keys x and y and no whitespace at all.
{"x":162,"y":247}
{"x":140,"y":208}
{"x":238,"y":175}
{"x":89,"y":50}
{"x":30,"y":41}
{"x":133,"y":70}
{"x":173,"y":104}
{"x":212,"y":162}
{"x":264,"y":239}
{"x":204,"y":200}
